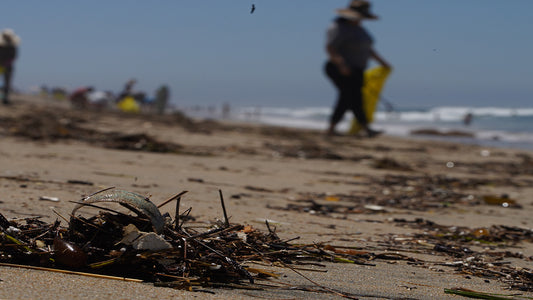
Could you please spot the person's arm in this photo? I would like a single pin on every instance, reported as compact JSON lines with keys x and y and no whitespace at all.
{"x":380,"y":59}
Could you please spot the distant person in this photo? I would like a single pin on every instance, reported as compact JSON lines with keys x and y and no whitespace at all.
{"x":80,"y":97}
{"x":467,"y":120}
{"x":161,"y":99}
{"x":349,"y":47}
{"x":226,"y":110}
{"x":9,"y":43}
{"x":128,"y":89}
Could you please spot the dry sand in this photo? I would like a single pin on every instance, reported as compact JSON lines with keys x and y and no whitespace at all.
{"x":261,"y":170}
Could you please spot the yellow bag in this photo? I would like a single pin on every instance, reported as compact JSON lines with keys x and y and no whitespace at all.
{"x":1,"y":70}
{"x":128,"y":104}
{"x":374,"y":80}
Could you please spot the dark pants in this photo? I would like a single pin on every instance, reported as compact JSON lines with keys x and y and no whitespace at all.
{"x":350,"y":96}
{"x":8,"y":72}
{"x":8,"y":53}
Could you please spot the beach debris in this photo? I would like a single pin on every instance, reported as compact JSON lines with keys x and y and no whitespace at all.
{"x":145,"y":246}
{"x":48,"y":198}
{"x":143,"y":240}
{"x":69,"y":272}
{"x":199,"y":180}
{"x":327,"y":207}
{"x":408,"y":192}
{"x":303,"y":150}
{"x":390,"y":164}
{"x":271,"y":222}
{"x":57,"y":124}
{"x":68,"y":254}
{"x":493,"y":234}
{"x":134,"y":202}
{"x":436,"y":132}
{"x":481,"y":295}
{"x":139,"y":142}
{"x":77,"y":181}
{"x":376,"y":208}
{"x":522,"y":166}
{"x":258,"y":189}
{"x":503,"y":201}
{"x":332,"y":198}
{"x":175,"y":254}
{"x":461,"y":246}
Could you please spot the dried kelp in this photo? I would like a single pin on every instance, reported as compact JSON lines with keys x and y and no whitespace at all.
{"x":125,"y":245}
{"x":522,"y":167}
{"x":493,"y":234}
{"x":436,"y":132}
{"x":303,"y":151}
{"x":328,"y":205}
{"x":406,"y":192}
{"x":139,"y":142}
{"x":460,"y":243}
{"x":48,"y":125}
{"x":122,"y":244}
{"x":391,"y":164}
{"x":481,"y":295}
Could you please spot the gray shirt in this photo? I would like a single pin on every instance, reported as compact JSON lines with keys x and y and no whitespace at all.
{"x":352,"y":42}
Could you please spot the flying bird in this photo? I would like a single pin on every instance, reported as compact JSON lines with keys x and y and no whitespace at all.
{"x":253,"y":9}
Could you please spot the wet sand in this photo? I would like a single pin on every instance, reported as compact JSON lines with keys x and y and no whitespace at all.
{"x":343,"y":191}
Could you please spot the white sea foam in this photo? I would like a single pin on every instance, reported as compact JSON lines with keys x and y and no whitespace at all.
{"x":497,"y":126}
{"x":456,"y":114}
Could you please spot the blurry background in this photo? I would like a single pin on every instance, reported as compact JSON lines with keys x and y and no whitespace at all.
{"x":444,"y":52}
{"x":455,"y":53}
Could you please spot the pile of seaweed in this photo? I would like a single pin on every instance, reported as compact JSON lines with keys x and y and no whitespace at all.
{"x":405,"y":192}
{"x":480,"y":252}
{"x":141,"y":244}
{"x":46,"y":125}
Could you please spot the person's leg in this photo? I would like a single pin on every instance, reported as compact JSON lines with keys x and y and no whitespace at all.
{"x":338,"y":112}
{"x":7,"y":84}
{"x":341,"y":106}
{"x":356,"y":97}
{"x":357,"y":103}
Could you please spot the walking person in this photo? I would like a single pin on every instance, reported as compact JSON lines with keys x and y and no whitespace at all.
{"x":349,"y":47}
{"x":161,"y":99}
{"x":9,"y":42}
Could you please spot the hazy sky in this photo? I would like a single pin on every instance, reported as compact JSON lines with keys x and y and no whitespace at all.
{"x":453,"y":52}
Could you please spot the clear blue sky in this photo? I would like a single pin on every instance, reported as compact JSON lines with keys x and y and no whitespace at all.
{"x":453,"y":52}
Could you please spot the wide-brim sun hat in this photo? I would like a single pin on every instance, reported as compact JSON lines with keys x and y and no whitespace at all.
{"x":15,"y":39}
{"x":357,"y":10}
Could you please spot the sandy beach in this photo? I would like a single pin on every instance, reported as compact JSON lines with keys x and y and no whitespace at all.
{"x":417,"y":205}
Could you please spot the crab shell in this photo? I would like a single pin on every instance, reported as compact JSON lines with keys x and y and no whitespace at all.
{"x":133,"y":201}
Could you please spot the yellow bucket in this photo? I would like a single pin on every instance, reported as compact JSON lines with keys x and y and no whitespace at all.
{"x":128,"y":104}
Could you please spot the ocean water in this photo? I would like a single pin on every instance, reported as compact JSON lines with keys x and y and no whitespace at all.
{"x":489,"y":126}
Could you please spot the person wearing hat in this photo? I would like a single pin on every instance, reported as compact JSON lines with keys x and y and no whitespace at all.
{"x":9,"y":42}
{"x":349,"y":47}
